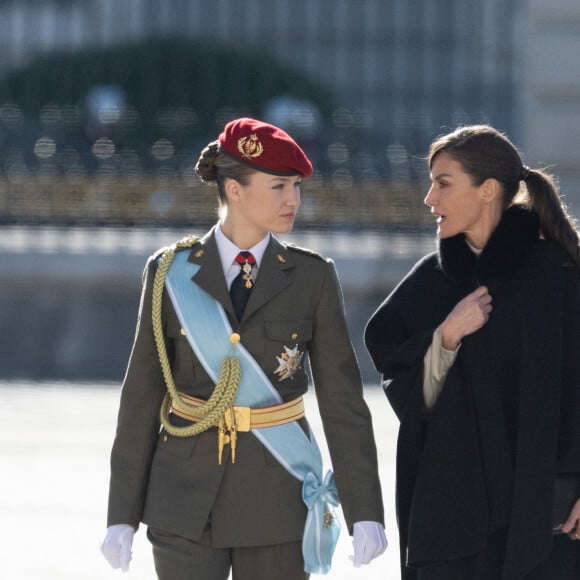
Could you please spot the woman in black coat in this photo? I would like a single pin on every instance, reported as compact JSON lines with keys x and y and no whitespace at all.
{"x":479,"y":348}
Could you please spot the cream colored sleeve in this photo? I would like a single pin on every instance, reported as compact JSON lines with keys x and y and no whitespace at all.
{"x":436,"y":364}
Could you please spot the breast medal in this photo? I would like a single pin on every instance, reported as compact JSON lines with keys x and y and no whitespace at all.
{"x":288,"y":363}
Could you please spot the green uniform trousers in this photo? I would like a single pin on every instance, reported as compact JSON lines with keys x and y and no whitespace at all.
{"x":178,"y":558}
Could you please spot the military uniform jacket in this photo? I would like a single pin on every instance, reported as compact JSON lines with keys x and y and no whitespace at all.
{"x":176,"y":484}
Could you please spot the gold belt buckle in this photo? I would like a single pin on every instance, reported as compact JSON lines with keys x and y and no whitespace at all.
{"x":242,"y":418}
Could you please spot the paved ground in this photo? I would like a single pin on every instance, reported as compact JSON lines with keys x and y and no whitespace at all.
{"x":54,"y":447}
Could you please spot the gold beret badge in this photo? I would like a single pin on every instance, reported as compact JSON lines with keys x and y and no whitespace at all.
{"x":250,"y":146}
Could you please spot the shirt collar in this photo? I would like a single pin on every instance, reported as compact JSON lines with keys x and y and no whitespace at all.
{"x":475,"y":250}
{"x":228,"y":250}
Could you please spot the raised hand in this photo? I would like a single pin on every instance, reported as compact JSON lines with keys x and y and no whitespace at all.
{"x":469,"y":315}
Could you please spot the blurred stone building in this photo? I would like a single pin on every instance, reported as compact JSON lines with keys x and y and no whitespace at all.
{"x":402,"y":70}
{"x":399,"y":72}
{"x":547,"y":78}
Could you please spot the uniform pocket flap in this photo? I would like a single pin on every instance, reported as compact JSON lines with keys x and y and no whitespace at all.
{"x":290,"y":331}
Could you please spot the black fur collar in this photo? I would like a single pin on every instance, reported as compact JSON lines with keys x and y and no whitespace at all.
{"x":512,"y":239}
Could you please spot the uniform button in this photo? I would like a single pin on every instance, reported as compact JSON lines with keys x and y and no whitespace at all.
{"x":165,"y":438}
{"x":235,"y":338}
{"x":183,"y":332}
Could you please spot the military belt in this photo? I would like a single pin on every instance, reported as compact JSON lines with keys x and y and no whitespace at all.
{"x":246,"y":418}
{"x":242,"y":419}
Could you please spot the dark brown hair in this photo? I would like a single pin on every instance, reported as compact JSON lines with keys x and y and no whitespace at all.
{"x":486,"y":153}
{"x":214,"y":166}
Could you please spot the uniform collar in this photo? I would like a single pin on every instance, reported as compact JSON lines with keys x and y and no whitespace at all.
{"x":275,"y":259}
{"x":228,"y":250}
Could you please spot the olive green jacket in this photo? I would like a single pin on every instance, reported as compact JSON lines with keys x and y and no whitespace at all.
{"x":176,"y":483}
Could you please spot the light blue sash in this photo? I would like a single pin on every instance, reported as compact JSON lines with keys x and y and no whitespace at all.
{"x":208,"y":331}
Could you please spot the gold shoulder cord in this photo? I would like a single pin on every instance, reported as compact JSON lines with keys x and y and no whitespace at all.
{"x":226,"y":388}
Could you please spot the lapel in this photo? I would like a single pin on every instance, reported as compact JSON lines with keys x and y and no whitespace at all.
{"x":210,"y":276}
{"x":272,"y":277}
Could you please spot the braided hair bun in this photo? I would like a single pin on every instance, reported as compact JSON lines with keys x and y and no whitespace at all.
{"x":206,"y":165}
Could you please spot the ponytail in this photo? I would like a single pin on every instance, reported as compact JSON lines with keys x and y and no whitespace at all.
{"x":555,"y":222}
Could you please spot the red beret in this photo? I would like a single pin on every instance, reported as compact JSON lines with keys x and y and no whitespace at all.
{"x":264,"y":147}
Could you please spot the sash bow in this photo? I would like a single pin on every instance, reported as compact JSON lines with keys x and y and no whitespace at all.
{"x":322,"y":525}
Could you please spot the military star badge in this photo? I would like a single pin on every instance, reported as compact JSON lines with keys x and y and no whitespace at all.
{"x":288,"y":363}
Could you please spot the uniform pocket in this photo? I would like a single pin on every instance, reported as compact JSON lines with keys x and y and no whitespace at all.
{"x":184,"y":363}
{"x":286,"y":345}
{"x":289,"y":331}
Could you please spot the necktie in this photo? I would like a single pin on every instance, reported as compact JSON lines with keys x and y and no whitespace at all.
{"x":243,"y":283}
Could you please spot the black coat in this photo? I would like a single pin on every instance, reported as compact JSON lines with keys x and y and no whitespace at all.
{"x":508,"y":417}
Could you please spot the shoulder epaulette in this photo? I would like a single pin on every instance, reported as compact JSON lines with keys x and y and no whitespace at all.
{"x":182,"y":244}
{"x":187,"y":242}
{"x":292,"y":246}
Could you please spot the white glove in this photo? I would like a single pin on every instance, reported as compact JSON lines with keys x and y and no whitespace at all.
{"x":369,"y":541}
{"x":116,"y":546}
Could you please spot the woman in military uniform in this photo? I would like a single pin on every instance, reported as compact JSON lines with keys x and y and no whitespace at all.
{"x":212,"y":450}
